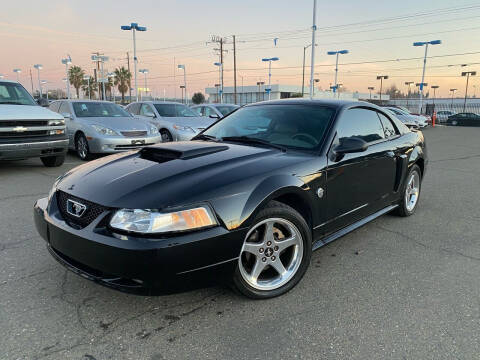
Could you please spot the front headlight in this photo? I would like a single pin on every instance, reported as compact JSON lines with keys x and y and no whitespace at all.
{"x":152,"y":222}
{"x":104,"y":130}
{"x":58,"y":122}
{"x":152,"y":129}
{"x":184,"y":128}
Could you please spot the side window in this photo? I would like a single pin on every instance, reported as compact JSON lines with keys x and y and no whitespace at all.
{"x":209,"y":111}
{"x":133,"y":109}
{"x":362,"y":123}
{"x":64,"y":108}
{"x":54,"y":106}
{"x":146,"y":109}
{"x":387,"y":125}
{"x":198,"y":110}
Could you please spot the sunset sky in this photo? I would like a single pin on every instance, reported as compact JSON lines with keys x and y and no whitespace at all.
{"x":45,"y":32}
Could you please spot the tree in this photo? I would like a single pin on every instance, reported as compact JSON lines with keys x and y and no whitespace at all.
{"x":75,"y":76}
{"x":123,"y":78}
{"x":109,"y":86}
{"x":198,"y":98}
{"x":89,"y":87}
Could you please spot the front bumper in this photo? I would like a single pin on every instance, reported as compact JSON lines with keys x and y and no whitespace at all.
{"x":113,"y":144}
{"x":134,"y":264}
{"x":24,"y":150}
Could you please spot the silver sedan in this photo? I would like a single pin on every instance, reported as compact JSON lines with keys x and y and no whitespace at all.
{"x":103,"y":127}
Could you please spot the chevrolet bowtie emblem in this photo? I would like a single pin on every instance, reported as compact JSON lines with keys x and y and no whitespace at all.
{"x":20,"y":129}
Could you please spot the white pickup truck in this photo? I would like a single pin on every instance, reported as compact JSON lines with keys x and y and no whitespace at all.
{"x":28,"y":130}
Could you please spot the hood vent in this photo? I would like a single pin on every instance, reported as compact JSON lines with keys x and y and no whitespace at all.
{"x":163,"y":154}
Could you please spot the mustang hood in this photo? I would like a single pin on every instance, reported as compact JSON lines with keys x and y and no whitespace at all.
{"x":172,"y":174}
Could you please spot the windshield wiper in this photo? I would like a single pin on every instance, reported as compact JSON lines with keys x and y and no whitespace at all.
{"x":205,"y":137}
{"x":249,"y":140}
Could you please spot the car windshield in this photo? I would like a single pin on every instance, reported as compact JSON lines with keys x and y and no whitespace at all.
{"x":15,"y":94}
{"x":396,"y":111}
{"x":174,"y":110}
{"x":98,"y":109}
{"x":292,"y":126}
{"x":226,"y":109}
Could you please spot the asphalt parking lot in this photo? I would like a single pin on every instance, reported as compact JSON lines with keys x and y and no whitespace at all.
{"x":398,"y":288}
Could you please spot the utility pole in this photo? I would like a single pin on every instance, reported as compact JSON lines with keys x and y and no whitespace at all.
{"x":220,"y":40}
{"x":31,"y":80}
{"x":130,"y":86}
{"x":312,"y":64}
{"x":234,"y":71}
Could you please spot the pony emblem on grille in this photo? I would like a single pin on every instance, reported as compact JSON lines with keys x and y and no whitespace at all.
{"x":75,"y":208}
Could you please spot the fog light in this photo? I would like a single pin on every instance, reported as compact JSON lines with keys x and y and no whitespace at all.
{"x":57,"y":132}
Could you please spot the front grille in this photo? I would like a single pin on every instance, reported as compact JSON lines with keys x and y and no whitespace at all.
{"x":14,"y":123}
{"x":136,"y":133}
{"x":91,"y":213}
{"x":15,"y":134}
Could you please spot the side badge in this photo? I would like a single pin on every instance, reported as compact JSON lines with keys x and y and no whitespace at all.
{"x":320,"y":192}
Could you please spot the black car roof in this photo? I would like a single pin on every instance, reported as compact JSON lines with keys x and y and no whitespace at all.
{"x":324,"y":102}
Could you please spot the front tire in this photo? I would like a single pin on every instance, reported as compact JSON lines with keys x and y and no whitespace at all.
{"x":275,"y":254}
{"x":81,"y":146}
{"x":166,"y":136}
{"x":410,"y":192}
{"x":53,"y":161}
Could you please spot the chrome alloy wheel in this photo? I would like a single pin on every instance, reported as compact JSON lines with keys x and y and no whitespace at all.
{"x":82,"y":147}
{"x":412,"y":191}
{"x":271,"y":254}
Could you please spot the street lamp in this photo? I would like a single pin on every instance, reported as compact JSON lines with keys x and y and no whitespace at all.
{"x":87,"y":77}
{"x":312,"y":62}
{"x":434,"y":87}
{"x":144,"y":72}
{"x":217,"y":86}
{"x":134,"y":27}
{"x":220,"y":79}
{"x":39,"y":67}
{"x":453,"y":92}
{"x":381,"y":78}
{"x":424,"y":43}
{"x":408,"y":83}
{"x":184,"y":80}
{"x":371,"y":88}
{"x":67,"y":61}
{"x":102,"y":60}
{"x":17,"y":71}
{"x":467,"y":74}
{"x":336,"y":53}
{"x":303,"y":73}
{"x":269,"y":90}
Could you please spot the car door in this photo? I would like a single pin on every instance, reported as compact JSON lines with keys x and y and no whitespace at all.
{"x":359,"y":184}
{"x":66,"y":112}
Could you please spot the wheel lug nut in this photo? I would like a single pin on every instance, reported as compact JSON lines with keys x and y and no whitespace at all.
{"x":261,"y":250}
{"x":275,"y":248}
{"x":273,"y":258}
{"x":269,"y":243}
{"x":264,"y":259}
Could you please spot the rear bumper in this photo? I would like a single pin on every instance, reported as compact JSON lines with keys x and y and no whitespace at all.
{"x":138,"y":265}
{"x":118,"y":144}
{"x":33,"y":149}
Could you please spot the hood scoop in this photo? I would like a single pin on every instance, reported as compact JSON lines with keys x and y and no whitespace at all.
{"x":184,"y":151}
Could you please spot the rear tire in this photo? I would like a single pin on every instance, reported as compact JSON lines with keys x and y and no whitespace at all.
{"x":276,"y":253}
{"x":410,"y":192}
{"x":53,"y":161}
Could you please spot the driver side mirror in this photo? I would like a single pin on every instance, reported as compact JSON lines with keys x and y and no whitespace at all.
{"x":214,"y":116}
{"x":149,"y":114}
{"x":349,"y":145}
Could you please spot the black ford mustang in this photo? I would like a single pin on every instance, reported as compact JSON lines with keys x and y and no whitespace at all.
{"x":248,"y":199}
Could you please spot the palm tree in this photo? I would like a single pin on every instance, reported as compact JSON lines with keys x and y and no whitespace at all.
{"x":75,"y":76}
{"x":122,"y":80}
{"x":109,"y":86}
{"x":89,"y":87}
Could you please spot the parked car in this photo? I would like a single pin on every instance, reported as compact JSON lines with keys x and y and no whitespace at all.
{"x":215,"y":111}
{"x":248,"y":208}
{"x":28,"y":130}
{"x":443,"y":115}
{"x":101,"y":127}
{"x":464,"y":119}
{"x":175,"y":121}
{"x":427,"y":118}
{"x":408,"y":118}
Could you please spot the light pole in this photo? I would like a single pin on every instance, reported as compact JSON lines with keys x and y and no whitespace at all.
{"x":39,"y":67}
{"x":434,"y":87}
{"x":467,"y":74}
{"x":408,"y":83}
{"x":269,"y":90}
{"x":381,"y":78}
{"x":217,"y":86}
{"x":182,"y":87}
{"x":17,"y":71}
{"x":303,"y":71}
{"x":259,"y":84}
{"x":371,"y":88}
{"x":220,"y":79}
{"x":453,"y":92}
{"x":44,"y":82}
{"x":336,"y":53}
{"x":67,"y":61}
{"x":312,"y":63}
{"x":102,"y":60}
{"x":134,"y":27}
{"x":144,"y":72}
{"x":87,"y":77}
{"x":424,"y":43}
{"x":184,"y":80}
